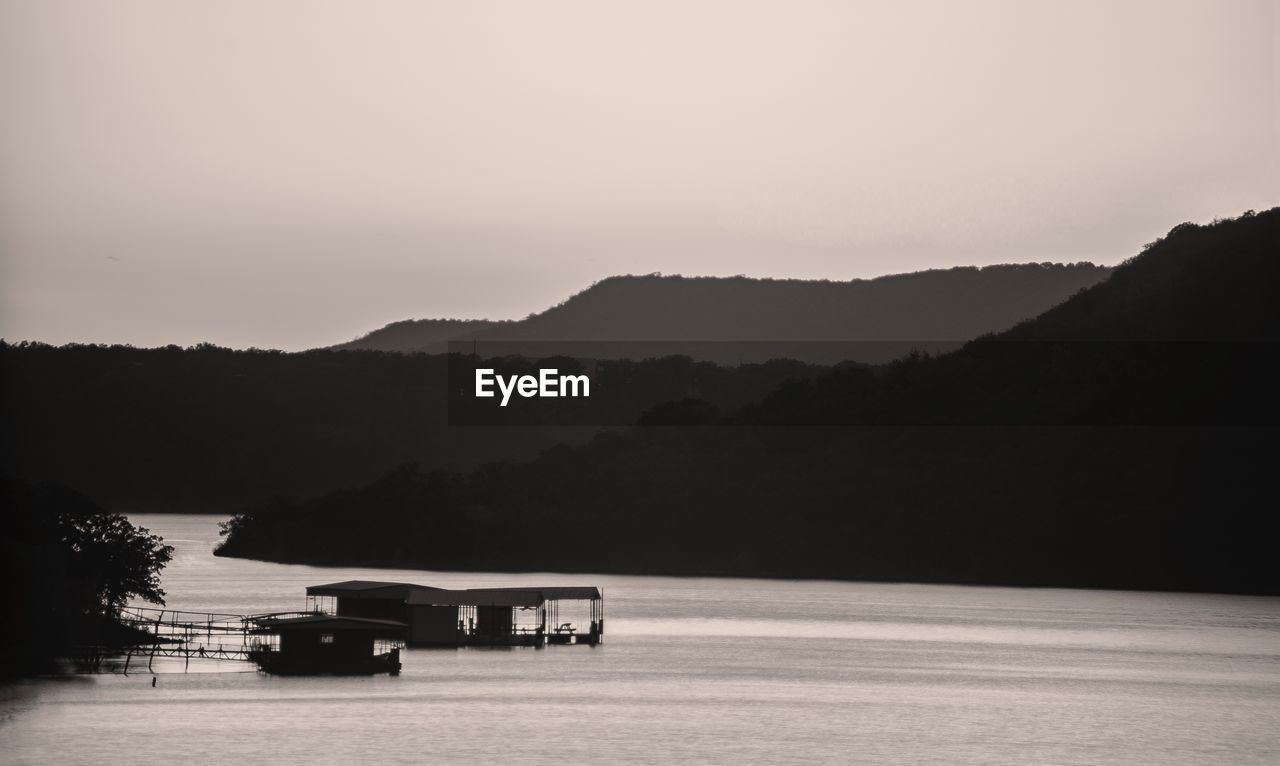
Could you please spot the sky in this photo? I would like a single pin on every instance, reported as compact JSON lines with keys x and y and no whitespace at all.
{"x":293,"y":173}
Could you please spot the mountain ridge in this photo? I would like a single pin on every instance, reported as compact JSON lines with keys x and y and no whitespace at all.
{"x":951,"y":304}
{"x":1131,"y":465}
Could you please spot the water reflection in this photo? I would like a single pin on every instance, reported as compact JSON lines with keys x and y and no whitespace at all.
{"x":707,"y":671}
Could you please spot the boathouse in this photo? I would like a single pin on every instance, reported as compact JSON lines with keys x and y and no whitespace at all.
{"x":504,"y":616}
{"x":564,"y":614}
{"x":490,"y":617}
{"x":471,"y":616}
{"x":363,"y":598}
{"x":322,"y":643}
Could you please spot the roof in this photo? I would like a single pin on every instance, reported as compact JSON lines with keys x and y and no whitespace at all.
{"x":371,"y":589}
{"x":488,"y":597}
{"x":554,"y":593}
{"x":326,"y":622}
{"x":570,"y":593}
{"x":501,"y":596}
{"x":425,"y":595}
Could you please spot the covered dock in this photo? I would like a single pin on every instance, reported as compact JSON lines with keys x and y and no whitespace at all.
{"x":520,"y":616}
{"x":505,"y":616}
{"x":372,"y":599}
{"x":568,"y":632}
{"x":322,"y":643}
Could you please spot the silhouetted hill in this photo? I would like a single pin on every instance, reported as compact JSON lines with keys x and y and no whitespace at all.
{"x":208,"y":429}
{"x":1198,"y":283}
{"x":414,"y":335}
{"x":1021,"y":459}
{"x":953,"y":304}
{"x":1179,"y":335}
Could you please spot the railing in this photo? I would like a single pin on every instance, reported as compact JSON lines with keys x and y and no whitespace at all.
{"x":196,"y":635}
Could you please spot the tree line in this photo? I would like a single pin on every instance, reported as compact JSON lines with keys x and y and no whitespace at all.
{"x":1103,"y":444}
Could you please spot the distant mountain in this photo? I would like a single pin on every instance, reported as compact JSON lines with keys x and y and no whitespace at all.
{"x":429,"y":335}
{"x":941,"y":305}
{"x":1125,"y":439}
{"x":1175,"y":336}
{"x":1215,"y":282}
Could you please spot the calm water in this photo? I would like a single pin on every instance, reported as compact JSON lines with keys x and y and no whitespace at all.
{"x":705,"y":671}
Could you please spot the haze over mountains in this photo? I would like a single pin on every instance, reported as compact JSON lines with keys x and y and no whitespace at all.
{"x":941,"y":305}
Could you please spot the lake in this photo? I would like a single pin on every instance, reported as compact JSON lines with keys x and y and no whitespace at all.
{"x":702,"y":671}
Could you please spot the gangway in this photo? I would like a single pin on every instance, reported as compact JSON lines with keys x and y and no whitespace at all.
{"x":199,"y":635}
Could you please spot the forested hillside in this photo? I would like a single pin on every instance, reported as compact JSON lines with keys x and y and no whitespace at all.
{"x":941,"y":305}
{"x":1153,"y":472}
{"x":209,"y":429}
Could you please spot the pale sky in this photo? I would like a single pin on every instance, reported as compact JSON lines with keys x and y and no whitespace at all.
{"x":292,"y":173}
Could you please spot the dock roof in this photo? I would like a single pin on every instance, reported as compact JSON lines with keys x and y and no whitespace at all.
{"x":554,"y":593}
{"x":327,"y":623}
{"x":501,"y":596}
{"x":488,"y":597}
{"x":371,"y":589}
{"x":570,"y":593}
{"x":420,"y":595}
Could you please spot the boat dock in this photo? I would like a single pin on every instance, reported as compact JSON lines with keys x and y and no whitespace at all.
{"x":359,"y":626}
{"x":442,"y":617}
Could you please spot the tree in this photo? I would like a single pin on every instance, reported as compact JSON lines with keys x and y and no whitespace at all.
{"x":72,"y":566}
{"x":113,"y":559}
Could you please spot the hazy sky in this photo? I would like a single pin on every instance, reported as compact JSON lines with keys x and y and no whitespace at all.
{"x":291,"y":173}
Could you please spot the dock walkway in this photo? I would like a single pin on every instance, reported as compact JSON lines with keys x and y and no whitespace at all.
{"x":194,"y":635}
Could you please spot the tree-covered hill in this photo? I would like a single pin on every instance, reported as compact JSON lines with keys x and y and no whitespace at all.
{"x":208,"y":429}
{"x":416,"y":335}
{"x":941,"y":305}
{"x":1037,"y":457}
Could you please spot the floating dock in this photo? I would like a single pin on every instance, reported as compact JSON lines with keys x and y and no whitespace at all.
{"x":359,"y":626}
{"x":323,"y":644}
{"x":471,"y":617}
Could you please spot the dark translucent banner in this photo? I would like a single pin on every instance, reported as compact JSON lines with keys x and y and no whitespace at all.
{"x":863,"y":383}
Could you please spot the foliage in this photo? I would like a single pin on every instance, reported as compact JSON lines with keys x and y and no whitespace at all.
{"x":114,"y":560}
{"x":202,"y":429}
{"x":1107,"y":443}
{"x":70,"y":566}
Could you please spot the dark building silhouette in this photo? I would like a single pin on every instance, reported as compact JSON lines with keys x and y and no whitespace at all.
{"x":324,"y":643}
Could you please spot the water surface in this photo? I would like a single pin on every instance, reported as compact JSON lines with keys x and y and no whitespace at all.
{"x":703,"y":671}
